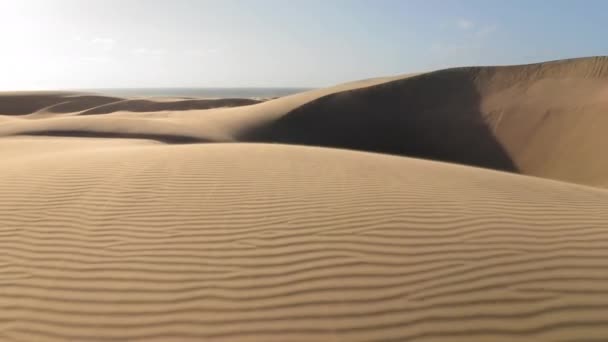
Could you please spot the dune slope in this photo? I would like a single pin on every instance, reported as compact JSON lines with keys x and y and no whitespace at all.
{"x":40,"y":102}
{"x":23,"y":103}
{"x":143,"y":241}
{"x":434,"y":116}
{"x":544,"y":119}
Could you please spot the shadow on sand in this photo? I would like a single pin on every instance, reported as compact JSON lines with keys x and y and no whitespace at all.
{"x":432,"y":116}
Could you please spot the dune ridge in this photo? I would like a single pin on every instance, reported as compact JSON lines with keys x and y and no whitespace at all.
{"x":31,"y":103}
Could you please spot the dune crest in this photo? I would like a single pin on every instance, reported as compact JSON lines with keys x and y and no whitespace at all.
{"x":32,"y":103}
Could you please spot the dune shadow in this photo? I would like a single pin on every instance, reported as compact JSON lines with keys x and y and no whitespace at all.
{"x":164,"y":138}
{"x":144,"y":105}
{"x":433,"y":116}
{"x":55,"y":102}
{"x":90,"y":104}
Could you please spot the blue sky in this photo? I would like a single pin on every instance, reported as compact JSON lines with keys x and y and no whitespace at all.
{"x":64,"y":44}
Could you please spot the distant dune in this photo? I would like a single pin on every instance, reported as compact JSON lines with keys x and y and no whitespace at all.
{"x":156,"y":219}
{"x":23,"y":103}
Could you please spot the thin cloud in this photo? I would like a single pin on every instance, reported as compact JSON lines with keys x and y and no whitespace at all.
{"x":464,"y":24}
{"x":486,"y":31}
{"x":105,"y":44}
{"x":95,"y":60}
{"x":203,"y":52}
{"x":142,"y":51}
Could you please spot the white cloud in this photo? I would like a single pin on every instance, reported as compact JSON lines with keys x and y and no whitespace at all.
{"x":485,"y":31}
{"x":465,"y":24}
{"x":105,"y":44}
{"x":94,"y":60}
{"x":437,"y":46}
{"x":142,"y":51}
{"x":200,"y":52}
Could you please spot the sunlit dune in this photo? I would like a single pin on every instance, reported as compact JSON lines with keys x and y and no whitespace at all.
{"x":464,"y":204}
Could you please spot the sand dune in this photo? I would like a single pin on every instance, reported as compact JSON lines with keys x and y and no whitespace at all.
{"x":24,"y":103}
{"x":135,"y":219}
{"x":147,"y":105}
{"x":274,"y":242}
{"x":542,"y":119}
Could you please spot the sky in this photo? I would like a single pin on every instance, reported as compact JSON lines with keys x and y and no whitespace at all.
{"x":71,"y":44}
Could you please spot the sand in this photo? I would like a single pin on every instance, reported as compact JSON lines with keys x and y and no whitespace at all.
{"x":261,"y":221}
{"x":542,"y":119}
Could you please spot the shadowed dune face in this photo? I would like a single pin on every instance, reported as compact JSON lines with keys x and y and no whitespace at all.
{"x":23,"y":103}
{"x":77,"y":103}
{"x":154,"y":106}
{"x":159,"y":137}
{"x":434,"y":116}
{"x":546,"y":119}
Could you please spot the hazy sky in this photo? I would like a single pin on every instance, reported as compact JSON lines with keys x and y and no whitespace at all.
{"x":58,"y":44}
